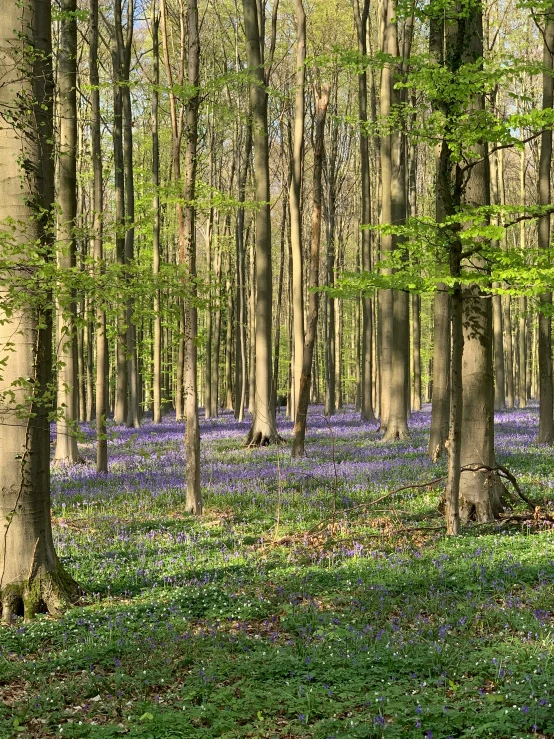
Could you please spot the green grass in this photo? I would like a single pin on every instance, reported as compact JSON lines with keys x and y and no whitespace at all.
{"x":203,"y":628}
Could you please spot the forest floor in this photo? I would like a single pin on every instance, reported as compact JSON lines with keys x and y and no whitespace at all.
{"x":362,"y":623}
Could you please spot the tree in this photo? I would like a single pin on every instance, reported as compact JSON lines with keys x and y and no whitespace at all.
{"x":98,"y":252}
{"x":546,"y":424}
{"x":66,"y":440}
{"x":295,"y":194}
{"x":321,"y":103}
{"x":31,"y":576}
{"x":361,"y":16}
{"x":188,"y":258}
{"x":263,"y":430}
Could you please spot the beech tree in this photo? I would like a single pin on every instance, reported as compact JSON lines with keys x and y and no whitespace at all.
{"x":31,"y":576}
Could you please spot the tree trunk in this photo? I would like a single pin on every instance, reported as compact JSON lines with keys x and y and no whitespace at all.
{"x":522,"y":352}
{"x":188,"y":257}
{"x":30,"y":573}
{"x":229,"y":338}
{"x":367,"y":413}
{"x":263,"y":430}
{"x":479,"y":492}
{"x":157,"y":338}
{"x":241,"y":367}
{"x":121,"y":405}
{"x":216,"y":336}
{"x":295,"y":194}
{"x":394,"y":206}
{"x":102,"y":358}
{"x":497,"y":323}
{"x":546,"y":399}
{"x":66,"y":427}
{"x":321,"y":102}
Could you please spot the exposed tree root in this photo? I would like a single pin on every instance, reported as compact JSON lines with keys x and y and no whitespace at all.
{"x":258,"y":439}
{"x":44,"y":591}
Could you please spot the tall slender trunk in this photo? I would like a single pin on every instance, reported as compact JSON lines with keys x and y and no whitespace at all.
{"x":124,"y":46}
{"x":263,"y":429}
{"x":121,"y":403}
{"x":367,"y":413}
{"x":102,"y":357}
{"x":295,"y":194}
{"x":546,"y":399}
{"x":241,"y":367}
{"x":229,"y":337}
{"x":66,"y":441}
{"x":188,"y":257}
{"x":321,"y":103}
{"x":385,"y":297}
{"x":506,"y":301}
{"x":157,"y":338}
{"x":216,"y":337}
{"x":277,"y":342}
{"x":497,"y":318}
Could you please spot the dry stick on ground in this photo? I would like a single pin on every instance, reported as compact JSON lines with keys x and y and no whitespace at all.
{"x":499,"y":469}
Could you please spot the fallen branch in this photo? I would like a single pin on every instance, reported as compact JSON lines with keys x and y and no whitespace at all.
{"x":415,"y":486}
{"x":506,"y":474}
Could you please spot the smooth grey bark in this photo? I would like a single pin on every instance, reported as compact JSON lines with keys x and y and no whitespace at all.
{"x":157,"y":321}
{"x":66,"y":314}
{"x":522,"y":351}
{"x":367,"y":413}
{"x":98,"y":247}
{"x":497,"y":317}
{"x":216,"y":336}
{"x":546,"y":398}
{"x":241,"y":299}
{"x":31,"y":575}
{"x":229,"y":336}
{"x":321,"y":103}
{"x":188,"y":251}
{"x":263,"y":430}
{"x":295,"y":193}
{"x":416,"y":351}
{"x":385,"y":297}
{"x":479,"y":493}
{"x":123,"y":46}
{"x":441,"y":368}
{"x":397,"y":418}
{"x":121,"y":380}
{"x":277,"y":339}
{"x":506,"y":302}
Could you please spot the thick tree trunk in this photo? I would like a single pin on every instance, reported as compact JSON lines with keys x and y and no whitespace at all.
{"x":479,"y":491}
{"x":263,"y":429}
{"x":30,"y":573}
{"x":321,"y":103}
{"x":66,"y":339}
{"x":188,"y":256}
{"x":546,"y":399}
